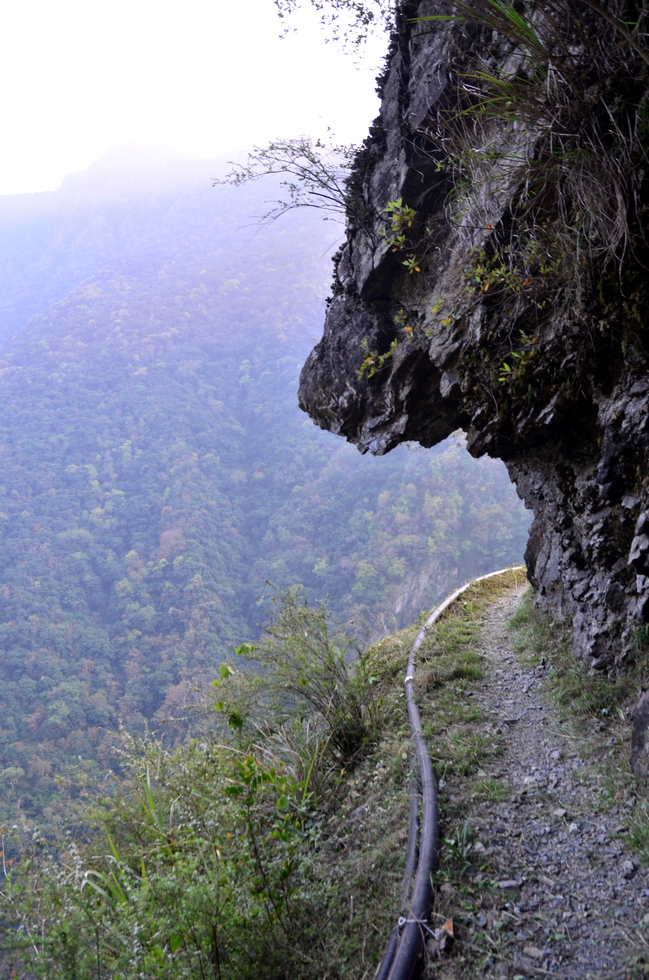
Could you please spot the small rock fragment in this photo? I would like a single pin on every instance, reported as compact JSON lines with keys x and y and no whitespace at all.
{"x":559,"y":812}
{"x":523,"y":963}
{"x":628,"y":869}
{"x":533,"y":952}
{"x":508,"y":883}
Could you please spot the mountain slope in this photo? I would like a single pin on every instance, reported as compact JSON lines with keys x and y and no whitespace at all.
{"x":156,"y":470}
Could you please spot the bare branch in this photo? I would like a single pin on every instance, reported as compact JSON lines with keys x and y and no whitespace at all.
{"x":316,"y":175}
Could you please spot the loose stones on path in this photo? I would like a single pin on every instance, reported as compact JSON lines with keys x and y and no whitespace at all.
{"x":575,"y":901}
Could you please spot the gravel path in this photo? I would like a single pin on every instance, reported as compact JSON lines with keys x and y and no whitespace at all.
{"x":574,"y":901}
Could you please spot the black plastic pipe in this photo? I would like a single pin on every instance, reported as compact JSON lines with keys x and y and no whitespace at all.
{"x":404,"y":945}
{"x":412,"y":859}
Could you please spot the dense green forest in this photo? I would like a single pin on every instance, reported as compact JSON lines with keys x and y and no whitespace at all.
{"x":156,"y":470}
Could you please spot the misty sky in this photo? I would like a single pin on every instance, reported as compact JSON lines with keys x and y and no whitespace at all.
{"x":79,"y":77}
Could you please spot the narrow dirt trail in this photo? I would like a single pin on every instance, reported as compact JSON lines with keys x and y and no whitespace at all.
{"x":573,"y":898}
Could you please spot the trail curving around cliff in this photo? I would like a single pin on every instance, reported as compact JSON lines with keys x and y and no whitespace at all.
{"x":546,"y":884}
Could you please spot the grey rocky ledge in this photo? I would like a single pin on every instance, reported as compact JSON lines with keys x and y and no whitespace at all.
{"x":575,"y":440}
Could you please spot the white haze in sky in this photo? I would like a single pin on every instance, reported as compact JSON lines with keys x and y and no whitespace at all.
{"x":204,"y":77}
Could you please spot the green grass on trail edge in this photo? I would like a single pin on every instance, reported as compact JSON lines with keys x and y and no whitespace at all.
{"x":596,"y":709}
{"x":537,"y":638}
{"x":461,"y":742}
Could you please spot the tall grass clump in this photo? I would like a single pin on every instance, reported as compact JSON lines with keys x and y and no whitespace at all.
{"x":547,"y":103}
{"x":311,"y":667}
{"x":584,"y":694}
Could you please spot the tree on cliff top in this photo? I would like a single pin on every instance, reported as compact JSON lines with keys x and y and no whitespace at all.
{"x":349,"y":21}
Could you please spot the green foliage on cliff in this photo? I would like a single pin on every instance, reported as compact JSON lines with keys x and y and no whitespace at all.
{"x":547,"y":111}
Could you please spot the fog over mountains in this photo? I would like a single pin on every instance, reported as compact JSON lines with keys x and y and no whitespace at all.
{"x":156,"y":470}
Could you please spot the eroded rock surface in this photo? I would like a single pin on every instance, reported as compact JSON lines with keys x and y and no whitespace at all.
{"x":487,"y":316}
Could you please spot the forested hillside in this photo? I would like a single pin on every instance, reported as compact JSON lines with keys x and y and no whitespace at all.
{"x":156,"y":469}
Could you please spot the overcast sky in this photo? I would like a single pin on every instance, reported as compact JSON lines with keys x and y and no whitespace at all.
{"x":79,"y":77}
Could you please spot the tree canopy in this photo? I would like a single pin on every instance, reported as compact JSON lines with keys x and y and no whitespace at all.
{"x":156,"y":472}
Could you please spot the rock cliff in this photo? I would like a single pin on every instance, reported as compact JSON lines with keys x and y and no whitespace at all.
{"x":494,"y":276}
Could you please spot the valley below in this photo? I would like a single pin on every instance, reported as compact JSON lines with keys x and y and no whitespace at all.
{"x":156,"y":472}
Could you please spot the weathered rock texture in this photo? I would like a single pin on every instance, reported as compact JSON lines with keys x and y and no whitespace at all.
{"x":538,"y":352}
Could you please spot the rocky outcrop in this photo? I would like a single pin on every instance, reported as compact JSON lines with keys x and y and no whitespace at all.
{"x":502,"y":291}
